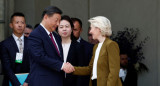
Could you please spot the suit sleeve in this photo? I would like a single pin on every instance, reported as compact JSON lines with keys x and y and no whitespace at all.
{"x":114,"y":64}
{"x":39,"y":55}
{"x":28,"y":66}
{"x":6,"y":64}
{"x":86,"y":70}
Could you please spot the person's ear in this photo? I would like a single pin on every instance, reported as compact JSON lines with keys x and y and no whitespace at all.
{"x":45,"y":16}
{"x":11,"y":25}
{"x":81,"y":30}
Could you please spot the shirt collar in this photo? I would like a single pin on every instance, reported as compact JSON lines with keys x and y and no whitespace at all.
{"x":16,"y":38}
{"x":45,"y":28}
{"x":79,"y":39}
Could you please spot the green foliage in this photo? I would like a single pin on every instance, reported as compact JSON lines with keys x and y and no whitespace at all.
{"x":127,"y":43}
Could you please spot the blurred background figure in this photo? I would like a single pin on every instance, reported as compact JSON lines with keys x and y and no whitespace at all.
{"x":28,"y":30}
{"x":86,"y":51}
{"x":14,"y":49}
{"x":128,"y":74}
{"x":90,"y":39}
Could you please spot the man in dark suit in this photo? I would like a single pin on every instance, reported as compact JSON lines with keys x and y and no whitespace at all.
{"x":128,"y":74}
{"x":46,"y":51}
{"x":15,"y":58}
{"x":86,"y":51}
{"x":28,"y":30}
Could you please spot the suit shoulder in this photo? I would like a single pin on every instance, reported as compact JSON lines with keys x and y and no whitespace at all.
{"x":6,"y":41}
{"x":56,"y":35}
{"x":86,"y":43}
{"x":35,"y":34}
{"x":35,"y":31}
{"x":109,"y":41}
{"x":76,"y":44}
{"x":25,"y":38}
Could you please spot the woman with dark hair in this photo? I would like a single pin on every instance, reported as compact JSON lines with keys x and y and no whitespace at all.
{"x":70,"y":47}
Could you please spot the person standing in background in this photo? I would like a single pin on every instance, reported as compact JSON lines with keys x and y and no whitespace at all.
{"x":28,"y":30}
{"x":86,"y":51}
{"x":15,"y":57}
{"x":128,"y":73}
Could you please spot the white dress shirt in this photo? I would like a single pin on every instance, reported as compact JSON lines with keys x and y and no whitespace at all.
{"x":79,"y":40}
{"x":96,"y":60}
{"x":65,"y":50}
{"x":17,"y":41}
{"x":123,"y":73}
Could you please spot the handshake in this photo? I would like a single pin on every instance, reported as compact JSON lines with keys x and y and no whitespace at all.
{"x":68,"y":68}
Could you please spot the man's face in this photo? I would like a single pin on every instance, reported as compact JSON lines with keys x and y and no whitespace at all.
{"x":27,"y":31}
{"x":90,"y":38}
{"x":18,"y":25}
{"x":52,"y":22}
{"x":77,"y":29}
{"x":124,"y":60}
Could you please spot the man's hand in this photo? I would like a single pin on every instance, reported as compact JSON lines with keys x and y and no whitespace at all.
{"x":68,"y":68}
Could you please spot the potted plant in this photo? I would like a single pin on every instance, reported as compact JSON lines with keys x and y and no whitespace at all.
{"x":126,"y":40}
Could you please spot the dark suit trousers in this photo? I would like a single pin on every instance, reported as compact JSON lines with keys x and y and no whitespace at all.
{"x":94,"y":82}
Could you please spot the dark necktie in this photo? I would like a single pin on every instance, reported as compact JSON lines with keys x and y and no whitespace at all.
{"x":54,"y":43}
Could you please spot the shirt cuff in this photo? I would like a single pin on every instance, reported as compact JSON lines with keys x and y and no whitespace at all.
{"x":62,"y":66}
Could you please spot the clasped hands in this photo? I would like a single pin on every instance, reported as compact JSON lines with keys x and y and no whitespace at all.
{"x":68,"y":68}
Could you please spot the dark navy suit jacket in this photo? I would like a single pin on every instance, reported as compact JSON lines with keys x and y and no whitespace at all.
{"x":131,"y":77}
{"x":10,"y":68}
{"x":87,"y":49}
{"x":45,"y":61}
{"x":73,"y":58}
{"x":86,"y":52}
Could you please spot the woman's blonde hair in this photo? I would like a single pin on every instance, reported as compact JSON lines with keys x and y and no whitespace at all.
{"x":103,"y":24}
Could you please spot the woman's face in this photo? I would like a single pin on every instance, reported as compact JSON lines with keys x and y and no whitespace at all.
{"x":64,"y":29}
{"x":95,"y":32}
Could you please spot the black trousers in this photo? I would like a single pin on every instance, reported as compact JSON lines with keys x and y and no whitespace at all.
{"x":94,"y":82}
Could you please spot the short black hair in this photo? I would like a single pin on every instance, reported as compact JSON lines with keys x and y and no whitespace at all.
{"x":78,"y":20}
{"x":67,"y":18}
{"x":16,"y":14}
{"x":51,"y":10}
{"x":29,"y":26}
